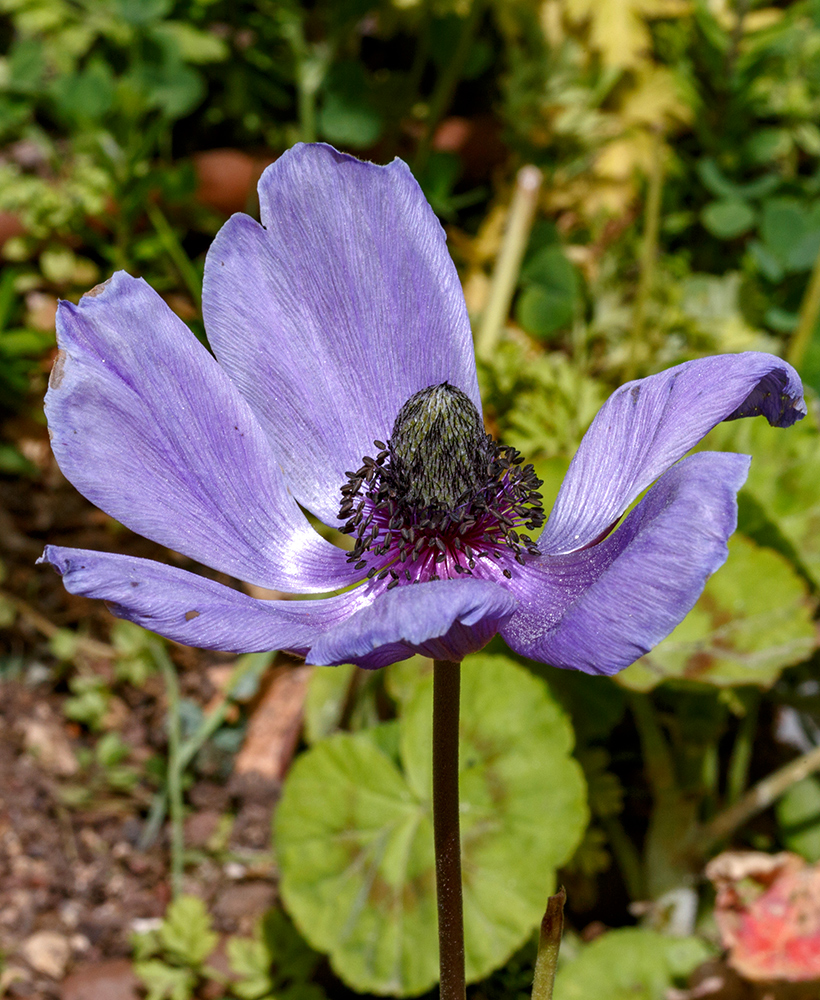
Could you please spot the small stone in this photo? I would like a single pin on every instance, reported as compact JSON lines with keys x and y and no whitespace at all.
{"x":239,"y":906}
{"x":47,"y":952}
{"x":200,"y":827}
{"x":143,"y":925}
{"x":110,"y":980}
{"x":47,"y":741}
{"x":234,"y":870}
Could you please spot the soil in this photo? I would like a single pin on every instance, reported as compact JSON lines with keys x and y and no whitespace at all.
{"x":76,"y":878}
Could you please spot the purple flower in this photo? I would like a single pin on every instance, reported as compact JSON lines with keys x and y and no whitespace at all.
{"x":344,"y":383}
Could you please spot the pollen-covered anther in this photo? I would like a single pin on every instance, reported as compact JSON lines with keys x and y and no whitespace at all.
{"x":441,"y":498}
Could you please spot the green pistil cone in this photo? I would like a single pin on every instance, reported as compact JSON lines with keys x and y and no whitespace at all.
{"x":439,"y":447}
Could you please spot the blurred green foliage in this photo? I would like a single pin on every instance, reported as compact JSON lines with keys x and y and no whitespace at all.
{"x":354,"y":828}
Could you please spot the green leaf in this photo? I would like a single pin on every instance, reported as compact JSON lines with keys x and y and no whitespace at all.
{"x":721,"y":187}
{"x":547,"y":303}
{"x":802,"y":255}
{"x":140,"y":12}
{"x":251,"y":960}
{"x":295,"y":959}
{"x":781,"y":320}
{"x":542,"y":312}
{"x":173,"y":89}
{"x":348,"y":115}
{"x":349,"y":122}
{"x":86,"y":96}
{"x":784,"y":482}
{"x":402,"y":679}
{"x":798,"y":815}
{"x":629,"y":964}
{"x":768,"y":144}
{"x":191,"y":44}
{"x":26,"y":66}
{"x":354,"y":832}
{"x":728,"y":218}
{"x":165,"y":982}
{"x":753,"y":619}
{"x":766,"y":262}
{"x":186,"y":933}
{"x":110,"y":750}
{"x":327,"y":694}
{"x":783,"y":225}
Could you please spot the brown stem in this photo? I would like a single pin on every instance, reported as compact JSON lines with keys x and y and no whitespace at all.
{"x":446,"y":683}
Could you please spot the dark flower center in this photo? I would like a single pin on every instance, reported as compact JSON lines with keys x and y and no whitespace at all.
{"x":441,"y":498}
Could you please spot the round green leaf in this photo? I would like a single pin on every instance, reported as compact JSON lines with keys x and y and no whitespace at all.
{"x":348,"y":122}
{"x":355,"y":842}
{"x":728,"y":218}
{"x":629,"y":964}
{"x":783,"y":487}
{"x":753,"y":619}
{"x":783,"y":225}
{"x":804,"y":252}
{"x":542,"y":311}
{"x":547,"y":303}
{"x":767,"y":144}
{"x":327,"y":693}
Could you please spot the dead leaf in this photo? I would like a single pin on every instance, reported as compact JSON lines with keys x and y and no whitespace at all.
{"x":274,"y":726}
{"x":768,"y":913}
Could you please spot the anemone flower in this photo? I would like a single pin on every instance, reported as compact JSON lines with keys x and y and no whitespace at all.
{"x":343,"y":383}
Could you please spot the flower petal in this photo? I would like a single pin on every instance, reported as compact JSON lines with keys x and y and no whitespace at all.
{"x":647,"y":425}
{"x":146,"y":425}
{"x":601,"y":608}
{"x":444,"y":619}
{"x":331,"y":316}
{"x":190,"y":609}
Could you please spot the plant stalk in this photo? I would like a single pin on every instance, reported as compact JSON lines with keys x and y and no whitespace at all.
{"x":809,"y":313}
{"x":446,"y":835}
{"x":174,"y":779}
{"x":176,"y":252}
{"x":508,"y":264}
{"x":738,"y":774}
{"x":549,"y":943}
{"x":250,"y":665}
{"x":657,"y":754}
{"x":649,"y":251}
{"x":758,"y":798}
{"x":447,"y":82}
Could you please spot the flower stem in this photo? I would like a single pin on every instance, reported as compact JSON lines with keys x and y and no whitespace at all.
{"x":549,"y":942}
{"x":446,"y":684}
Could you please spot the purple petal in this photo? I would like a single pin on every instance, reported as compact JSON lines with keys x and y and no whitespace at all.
{"x":190,"y":609}
{"x":146,"y":425}
{"x":601,"y":608}
{"x":647,"y":425}
{"x":443,"y":619}
{"x":331,"y":316}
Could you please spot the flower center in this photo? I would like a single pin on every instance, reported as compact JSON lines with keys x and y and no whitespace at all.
{"x":441,"y":498}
